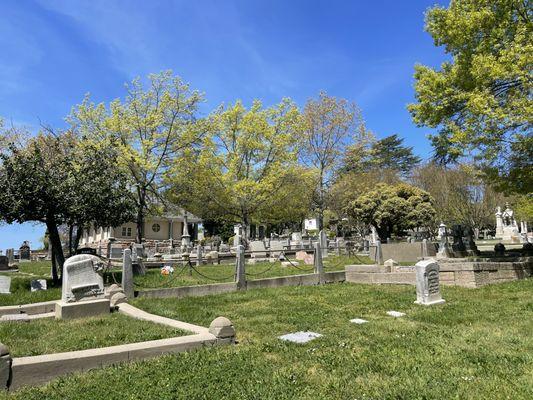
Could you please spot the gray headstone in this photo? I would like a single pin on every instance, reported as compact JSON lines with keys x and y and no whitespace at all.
{"x":276,"y":248}
{"x":5,"y":284}
{"x":427,"y":283}
{"x":116,"y":251}
{"x":38,"y":284}
{"x":395,"y":314}
{"x":4,"y":262}
{"x":127,"y":275}
{"x":258,"y":249}
{"x":82,"y":278}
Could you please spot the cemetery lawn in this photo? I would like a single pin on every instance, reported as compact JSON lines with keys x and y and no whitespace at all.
{"x":21,"y":284}
{"x":479,"y":345}
{"x":184,"y":276}
{"x":47,"y":336}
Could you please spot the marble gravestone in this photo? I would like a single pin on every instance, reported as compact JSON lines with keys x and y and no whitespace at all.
{"x":5,"y":284}
{"x":427,"y":283}
{"x":82,"y":278}
{"x":258,"y":249}
{"x":82,"y":292}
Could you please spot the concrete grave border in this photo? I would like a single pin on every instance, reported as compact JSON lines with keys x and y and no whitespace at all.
{"x":35,"y":370}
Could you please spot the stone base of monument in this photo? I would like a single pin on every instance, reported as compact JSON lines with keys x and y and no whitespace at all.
{"x":82,"y":309}
{"x":430,"y":303}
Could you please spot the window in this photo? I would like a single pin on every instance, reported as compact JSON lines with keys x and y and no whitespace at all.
{"x":156,"y":227}
{"x":126,"y":231}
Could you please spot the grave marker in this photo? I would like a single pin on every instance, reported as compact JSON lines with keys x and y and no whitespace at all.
{"x":300,"y":337}
{"x":38,"y":284}
{"x":5,"y":284}
{"x":427,"y":283}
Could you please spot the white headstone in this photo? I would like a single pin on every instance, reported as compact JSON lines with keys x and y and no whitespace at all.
{"x":427,"y":283}
{"x":5,"y":284}
{"x":258,"y":249}
{"x":82,"y":279}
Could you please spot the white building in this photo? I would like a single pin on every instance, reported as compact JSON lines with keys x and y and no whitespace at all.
{"x":165,"y":231}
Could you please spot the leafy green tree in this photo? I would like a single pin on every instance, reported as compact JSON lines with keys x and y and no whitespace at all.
{"x":55,"y":180}
{"x":246,"y":170}
{"x":328,"y":126}
{"x":393,"y":209}
{"x":153,"y":126}
{"x":385,"y":155}
{"x":481,"y":100}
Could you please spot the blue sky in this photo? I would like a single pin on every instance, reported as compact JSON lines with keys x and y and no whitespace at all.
{"x":52,"y":52}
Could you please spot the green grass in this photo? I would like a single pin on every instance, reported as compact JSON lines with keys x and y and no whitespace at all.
{"x":47,"y":336}
{"x":479,"y":345}
{"x":183,"y":276}
{"x":21,"y":284}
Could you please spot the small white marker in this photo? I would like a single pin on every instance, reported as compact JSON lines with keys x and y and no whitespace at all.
{"x":358,"y":321}
{"x":395,"y":314}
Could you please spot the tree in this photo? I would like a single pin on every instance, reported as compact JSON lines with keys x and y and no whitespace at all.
{"x":328,"y":125}
{"x":54,"y":179}
{"x":152,"y":126}
{"x":393,"y":209}
{"x":460,"y":195}
{"x":247,"y":169}
{"x":481,"y":100}
{"x":388,"y":156}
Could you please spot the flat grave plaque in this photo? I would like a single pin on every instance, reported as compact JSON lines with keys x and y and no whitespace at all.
{"x":300,"y":337}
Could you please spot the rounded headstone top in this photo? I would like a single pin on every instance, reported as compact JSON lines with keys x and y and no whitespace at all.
{"x":4,"y":350}
{"x":499,"y":247}
{"x":114,"y":286}
{"x":118,"y":298}
{"x":222,"y":327}
{"x":83,"y":257}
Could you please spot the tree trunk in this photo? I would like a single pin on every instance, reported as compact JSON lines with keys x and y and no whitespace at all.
{"x":55,"y":277}
{"x":70,"y":234}
{"x":57,"y":250}
{"x":140,"y":216}
{"x":320,"y":219}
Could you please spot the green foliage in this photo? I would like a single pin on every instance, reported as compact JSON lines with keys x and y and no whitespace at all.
{"x":472,"y":347}
{"x":384,"y":155}
{"x":523,"y":207}
{"x":247,"y":169}
{"x":393,"y":209}
{"x":152,"y":126}
{"x":329,"y":124}
{"x":481,"y":100}
{"x":60,"y":178}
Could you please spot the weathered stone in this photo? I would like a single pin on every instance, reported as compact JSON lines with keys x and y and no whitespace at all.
{"x":395,"y":314}
{"x":358,"y":321}
{"x":499,"y":250}
{"x":390,"y":263}
{"x":5,"y":284}
{"x":112,"y":289}
{"x":4,"y":262}
{"x":300,"y":337}
{"x":82,"y":278}
{"x":82,"y":309}
{"x":38,"y":284}
{"x":427,"y":283}
{"x":318,"y":263}
{"x":127,"y":275}
{"x":5,"y":367}
{"x":15,"y":318}
{"x":301,"y":255}
{"x":258,"y":249}
{"x":25,"y":251}
{"x":222,"y":328}
{"x":118,"y":298}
